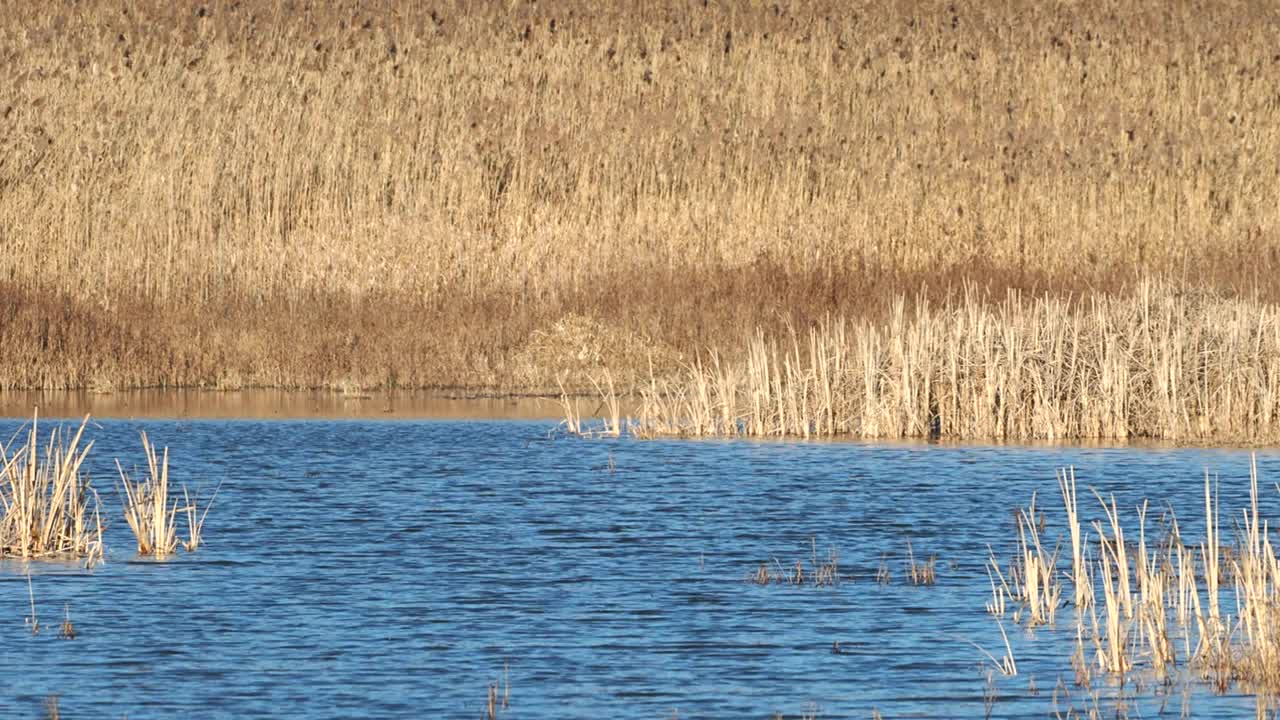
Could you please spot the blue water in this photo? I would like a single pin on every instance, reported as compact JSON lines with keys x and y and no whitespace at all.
{"x":394,"y":569}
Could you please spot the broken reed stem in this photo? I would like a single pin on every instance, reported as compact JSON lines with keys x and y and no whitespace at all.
{"x":34,"y":621}
{"x":67,"y":631}
{"x":195,"y":522}
{"x":1006,"y":664}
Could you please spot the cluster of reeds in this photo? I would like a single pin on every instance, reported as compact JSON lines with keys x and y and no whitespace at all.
{"x":921,"y":572}
{"x":610,"y":423}
{"x":1159,"y":363}
{"x":822,"y":572}
{"x":683,"y":172}
{"x":151,"y":507}
{"x":1161,"y":603}
{"x":50,"y":508}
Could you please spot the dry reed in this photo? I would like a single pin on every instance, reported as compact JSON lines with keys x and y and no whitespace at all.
{"x":1146,"y":586}
{"x":67,"y":631}
{"x":824,"y":572}
{"x":1160,"y":363}
{"x":196,"y":518}
{"x":251,"y":189}
{"x":50,"y":508}
{"x":151,"y":507}
{"x":924,"y":572}
{"x":148,"y":508}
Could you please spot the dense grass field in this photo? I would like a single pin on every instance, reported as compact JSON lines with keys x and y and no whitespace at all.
{"x":407,"y":194}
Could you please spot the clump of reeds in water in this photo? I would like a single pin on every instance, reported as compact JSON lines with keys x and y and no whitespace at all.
{"x":921,"y":572}
{"x":821,"y":572}
{"x":611,"y":424}
{"x":50,"y":508}
{"x":151,"y":509}
{"x":1161,"y":602}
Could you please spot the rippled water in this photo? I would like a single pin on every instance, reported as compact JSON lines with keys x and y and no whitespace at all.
{"x":393,"y":569}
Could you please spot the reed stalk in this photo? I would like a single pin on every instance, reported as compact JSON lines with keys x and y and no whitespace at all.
{"x":1080,"y":579}
{"x":1041,"y":592}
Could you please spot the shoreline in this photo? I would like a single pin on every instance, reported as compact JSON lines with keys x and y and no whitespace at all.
{"x":265,"y":404}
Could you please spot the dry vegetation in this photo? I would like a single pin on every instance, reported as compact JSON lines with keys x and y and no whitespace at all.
{"x":1156,"y":363}
{"x":408,"y":194}
{"x":1166,"y":604}
{"x":50,"y":509}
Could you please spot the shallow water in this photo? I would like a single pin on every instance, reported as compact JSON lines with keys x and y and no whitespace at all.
{"x":393,"y":569}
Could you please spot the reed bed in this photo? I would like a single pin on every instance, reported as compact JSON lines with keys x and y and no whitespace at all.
{"x":1155,"y":594}
{"x":288,"y":198}
{"x":1159,"y":363}
{"x":50,"y":508}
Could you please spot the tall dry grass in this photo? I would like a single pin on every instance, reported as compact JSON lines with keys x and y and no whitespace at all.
{"x":1159,"y":363}
{"x":149,"y":508}
{"x":48,"y":507}
{"x":1161,"y":611}
{"x":408,"y":194}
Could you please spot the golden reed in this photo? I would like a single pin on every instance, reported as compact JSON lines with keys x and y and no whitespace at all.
{"x":406,"y":194}
{"x":1157,"y":363}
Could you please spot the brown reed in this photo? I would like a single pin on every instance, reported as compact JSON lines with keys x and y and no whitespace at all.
{"x":148,"y":508}
{"x":67,"y":631}
{"x":50,"y":508}
{"x":923,"y":572}
{"x":1143,"y":585}
{"x":250,"y":189}
{"x":1161,"y":363}
{"x":824,"y":572}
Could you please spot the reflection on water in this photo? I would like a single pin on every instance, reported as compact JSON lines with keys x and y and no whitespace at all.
{"x":277,"y":404}
{"x":368,"y":569}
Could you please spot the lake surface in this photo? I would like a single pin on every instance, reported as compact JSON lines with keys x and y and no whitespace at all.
{"x":394,"y":568}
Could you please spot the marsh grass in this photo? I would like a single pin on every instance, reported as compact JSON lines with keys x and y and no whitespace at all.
{"x":1160,"y":363}
{"x":67,"y":631}
{"x":822,"y":572}
{"x":922,"y":572}
{"x":148,"y":508}
{"x":50,"y":508}
{"x":151,"y":507}
{"x":623,"y":168}
{"x":1161,"y":604}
